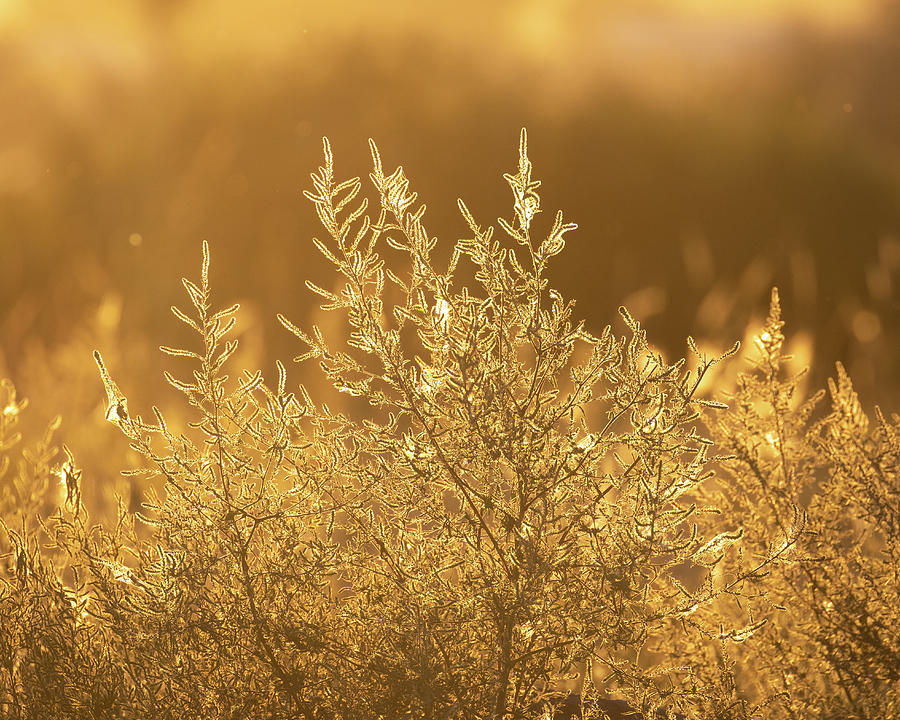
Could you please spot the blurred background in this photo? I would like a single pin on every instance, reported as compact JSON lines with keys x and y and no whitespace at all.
{"x":707,"y":150}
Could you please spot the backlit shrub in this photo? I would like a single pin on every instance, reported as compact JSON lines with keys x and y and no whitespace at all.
{"x":507,"y":506}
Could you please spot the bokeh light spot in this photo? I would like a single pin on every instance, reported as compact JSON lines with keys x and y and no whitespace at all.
{"x":866,"y":326}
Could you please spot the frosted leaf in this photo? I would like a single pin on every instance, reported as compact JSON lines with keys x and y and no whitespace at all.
{"x":689,"y":611}
{"x":79,"y":603}
{"x":846,"y":401}
{"x":432,"y":380}
{"x":586,"y":443}
{"x":745,"y":633}
{"x":69,"y":477}
{"x":529,"y":207}
{"x":712,"y":551}
{"x":414,"y":449}
{"x":771,"y":339}
{"x":12,"y":407}
{"x":442,"y":314}
{"x":679,"y":487}
{"x":117,"y":405}
{"x":119,"y":572}
{"x":117,"y":411}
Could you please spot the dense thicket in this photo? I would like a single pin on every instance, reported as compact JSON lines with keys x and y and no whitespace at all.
{"x":513,"y":507}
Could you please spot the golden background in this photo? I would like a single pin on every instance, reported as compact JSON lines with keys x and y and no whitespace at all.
{"x":708,"y":151}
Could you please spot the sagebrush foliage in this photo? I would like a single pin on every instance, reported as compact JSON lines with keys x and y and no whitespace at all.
{"x":513,"y":505}
{"x":835,"y":652}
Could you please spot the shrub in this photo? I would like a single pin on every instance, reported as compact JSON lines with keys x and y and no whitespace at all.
{"x":512,"y":504}
{"x":835,"y":653}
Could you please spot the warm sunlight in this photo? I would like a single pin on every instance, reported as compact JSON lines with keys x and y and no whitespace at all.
{"x":609,"y":430}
